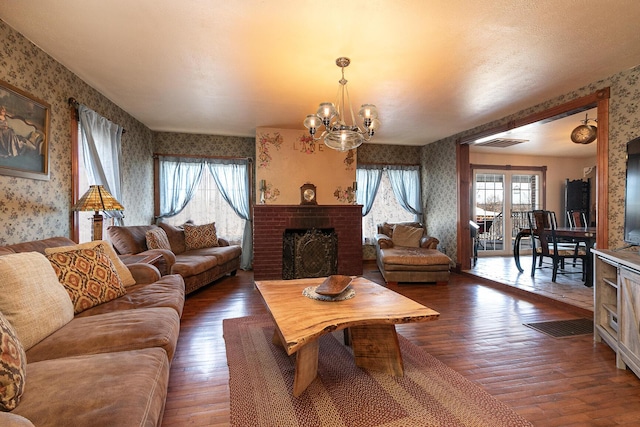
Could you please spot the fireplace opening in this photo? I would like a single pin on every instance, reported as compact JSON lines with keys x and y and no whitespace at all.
{"x":309,"y":253}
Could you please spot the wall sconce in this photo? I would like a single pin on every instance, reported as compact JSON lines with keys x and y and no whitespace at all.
{"x":263,"y":188}
{"x":97,"y":199}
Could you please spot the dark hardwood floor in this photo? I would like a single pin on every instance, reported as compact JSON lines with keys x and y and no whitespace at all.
{"x":550,"y":381}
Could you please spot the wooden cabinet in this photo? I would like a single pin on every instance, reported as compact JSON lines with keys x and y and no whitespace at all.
{"x":576,"y":197}
{"x":617,"y":305}
{"x":629,"y":312}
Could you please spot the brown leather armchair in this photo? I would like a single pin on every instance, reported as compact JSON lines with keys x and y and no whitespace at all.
{"x":418,"y":261}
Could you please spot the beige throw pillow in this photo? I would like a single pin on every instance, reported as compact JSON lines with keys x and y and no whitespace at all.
{"x":200,"y":236}
{"x":404,"y":235}
{"x":88,"y":275}
{"x":31,"y":298}
{"x":123,"y":272}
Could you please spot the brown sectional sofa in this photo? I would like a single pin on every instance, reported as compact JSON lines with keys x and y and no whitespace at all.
{"x":422,"y":262}
{"x":198,"y":267}
{"x":109,"y":365}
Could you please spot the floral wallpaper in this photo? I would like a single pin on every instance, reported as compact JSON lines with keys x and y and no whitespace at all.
{"x":439,"y":187}
{"x":288,"y":158}
{"x":384,"y":154}
{"x":32,"y":209}
{"x":203,"y":145}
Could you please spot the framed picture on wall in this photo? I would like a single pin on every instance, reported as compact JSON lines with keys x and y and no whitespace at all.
{"x":24,"y":134}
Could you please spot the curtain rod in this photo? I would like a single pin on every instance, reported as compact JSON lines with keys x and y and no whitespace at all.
{"x":388,"y":164}
{"x":75,"y":104}
{"x":197,"y":156}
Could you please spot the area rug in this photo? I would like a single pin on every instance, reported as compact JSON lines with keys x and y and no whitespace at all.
{"x":429,"y":394}
{"x":564,"y":328}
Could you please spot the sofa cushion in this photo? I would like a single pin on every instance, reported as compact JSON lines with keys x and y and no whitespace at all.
{"x":223,"y":254}
{"x":387,"y":227}
{"x":126,"y":388}
{"x":404,"y":235}
{"x":9,"y":419}
{"x":167,"y":291}
{"x":413,"y":257}
{"x":200,"y":236}
{"x":40,"y":245}
{"x":110,"y":332}
{"x":188,"y":264}
{"x":157,"y":239}
{"x":5,"y":250}
{"x":88,"y":275}
{"x":175,"y":236}
{"x":31,"y":298}
{"x":123,"y":272}
{"x":130,"y":239}
{"x":13,"y":365}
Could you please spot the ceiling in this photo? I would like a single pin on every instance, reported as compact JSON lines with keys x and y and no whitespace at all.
{"x":434,"y":68}
{"x":545,"y":138}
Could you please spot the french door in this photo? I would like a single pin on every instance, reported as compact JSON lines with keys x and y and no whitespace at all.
{"x":501,"y":199}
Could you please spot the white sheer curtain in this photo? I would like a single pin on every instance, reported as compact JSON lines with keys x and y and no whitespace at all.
{"x":405,"y":181}
{"x":101,"y":147}
{"x":179,"y":178}
{"x":232,"y":178}
{"x":368,"y":179}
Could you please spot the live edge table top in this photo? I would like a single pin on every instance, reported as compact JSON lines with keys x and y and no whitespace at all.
{"x":301,"y":319}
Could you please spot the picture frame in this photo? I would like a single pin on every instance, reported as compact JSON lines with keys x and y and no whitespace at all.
{"x":24,"y":134}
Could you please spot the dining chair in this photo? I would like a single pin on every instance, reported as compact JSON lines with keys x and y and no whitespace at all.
{"x":576,"y":218}
{"x":546,"y":244}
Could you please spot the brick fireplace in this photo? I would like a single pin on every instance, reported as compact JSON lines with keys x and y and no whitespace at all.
{"x":271,"y":221}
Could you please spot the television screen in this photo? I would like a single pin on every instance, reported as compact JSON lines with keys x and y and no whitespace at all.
{"x":632,"y":196}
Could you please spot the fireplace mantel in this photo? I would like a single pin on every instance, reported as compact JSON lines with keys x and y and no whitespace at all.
{"x":271,"y":221}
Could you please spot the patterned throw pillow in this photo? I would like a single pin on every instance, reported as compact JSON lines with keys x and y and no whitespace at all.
{"x":123,"y":272}
{"x":13,"y":366}
{"x":88,"y":276}
{"x":157,"y":239}
{"x":200,"y":236}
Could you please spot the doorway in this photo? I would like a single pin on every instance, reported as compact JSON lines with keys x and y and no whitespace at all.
{"x":599,"y":99}
{"x":500,"y":201}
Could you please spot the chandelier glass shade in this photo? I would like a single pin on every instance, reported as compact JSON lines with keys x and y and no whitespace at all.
{"x":338,"y":134}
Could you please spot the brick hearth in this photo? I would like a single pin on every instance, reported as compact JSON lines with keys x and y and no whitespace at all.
{"x":271,"y":221}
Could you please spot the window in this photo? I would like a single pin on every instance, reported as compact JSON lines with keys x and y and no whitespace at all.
{"x":96,"y":158}
{"x":385,"y":209}
{"x":85,"y":219}
{"x":207,"y":206}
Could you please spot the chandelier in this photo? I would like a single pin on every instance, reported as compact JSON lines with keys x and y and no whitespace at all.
{"x":337,"y":133}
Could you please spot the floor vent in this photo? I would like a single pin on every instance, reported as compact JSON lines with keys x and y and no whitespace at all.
{"x":564,"y":328}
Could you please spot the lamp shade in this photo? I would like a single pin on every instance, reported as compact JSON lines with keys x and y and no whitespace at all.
{"x":97,"y":199}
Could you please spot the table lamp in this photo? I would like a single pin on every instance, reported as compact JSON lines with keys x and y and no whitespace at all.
{"x":97,"y":199}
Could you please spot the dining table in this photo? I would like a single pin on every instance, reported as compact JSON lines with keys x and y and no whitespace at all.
{"x":576,"y":234}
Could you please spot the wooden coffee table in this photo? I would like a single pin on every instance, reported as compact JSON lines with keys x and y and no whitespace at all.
{"x":370,"y":317}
